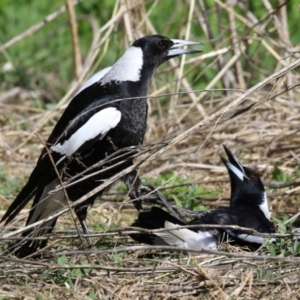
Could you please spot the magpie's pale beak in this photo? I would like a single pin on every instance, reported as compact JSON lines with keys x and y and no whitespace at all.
{"x":233,"y":165}
{"x":181,"y":43}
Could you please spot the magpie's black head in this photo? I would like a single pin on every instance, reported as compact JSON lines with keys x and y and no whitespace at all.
{"x":246,"y":186}
{"x":141,"y":59}
{"x":158,"y":49}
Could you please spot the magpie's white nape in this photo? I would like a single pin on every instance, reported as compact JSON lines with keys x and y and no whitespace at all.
{"x":108,"y":114}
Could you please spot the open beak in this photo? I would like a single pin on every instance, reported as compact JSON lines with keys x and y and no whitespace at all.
{"x":181,"y":43}
{"x":233,"y":166}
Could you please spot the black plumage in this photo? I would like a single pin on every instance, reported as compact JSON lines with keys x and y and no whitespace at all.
{"x":107,"y":115}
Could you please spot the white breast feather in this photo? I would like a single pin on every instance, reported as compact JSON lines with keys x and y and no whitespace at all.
{"x":98,"y":124}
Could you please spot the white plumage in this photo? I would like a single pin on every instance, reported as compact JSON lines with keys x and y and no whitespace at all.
{"x":127,"y":68}
{"x":186,"y":238}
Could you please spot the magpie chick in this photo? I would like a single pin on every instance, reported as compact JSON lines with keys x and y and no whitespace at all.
{"x":248,"y":208}
{"x":108,"y":114}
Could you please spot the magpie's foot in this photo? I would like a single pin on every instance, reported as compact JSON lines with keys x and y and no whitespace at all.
{"x":158,"y":198}
{"x":134,"y":195}
{"x":155,"y":196}
{"x":143,"y":193}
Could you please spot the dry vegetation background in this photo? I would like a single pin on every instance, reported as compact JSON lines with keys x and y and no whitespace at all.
{"x":250,"y":57}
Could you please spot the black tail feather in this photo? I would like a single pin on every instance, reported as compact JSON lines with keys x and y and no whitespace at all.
{"x":22,"y":249}
{"x":34,"y":186}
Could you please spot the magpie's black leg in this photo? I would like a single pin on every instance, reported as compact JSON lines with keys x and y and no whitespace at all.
{"x":162,"y":200}
{"x":86,"y":231}
{"x":81,"y":213}
{"x":177,"y":211}
{"x":133,"y":182}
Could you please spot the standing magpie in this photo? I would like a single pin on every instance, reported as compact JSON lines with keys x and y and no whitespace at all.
{"x":248,"y":208}
{"x":108,"y":114}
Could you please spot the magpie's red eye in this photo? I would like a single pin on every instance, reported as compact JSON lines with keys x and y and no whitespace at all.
{"x":162,"y":44}
{"x":252,"y":177}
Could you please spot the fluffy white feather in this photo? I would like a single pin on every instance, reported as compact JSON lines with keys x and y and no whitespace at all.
{"x":98,"y":124}
{"x":127,"y":68}
{"x":186,"y":238}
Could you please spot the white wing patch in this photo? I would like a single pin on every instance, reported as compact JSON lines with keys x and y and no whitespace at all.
{"x":98,"y":124}
{"x":186,"y":238}
{"x":95,"y":78}
{"x":127,"y":68}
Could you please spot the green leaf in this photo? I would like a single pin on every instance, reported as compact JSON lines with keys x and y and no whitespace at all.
{"x":279,"y":176}
{"x":92,"y":295}
{"x":62,"y":260}
{"x":271,"y":248}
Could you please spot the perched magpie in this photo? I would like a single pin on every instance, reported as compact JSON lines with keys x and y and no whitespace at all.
{"x":108,"y":114}
{"x":248,"y":208}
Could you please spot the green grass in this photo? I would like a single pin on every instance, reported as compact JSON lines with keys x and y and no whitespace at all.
{"x":280,"y":176}
{"x":184,"y":193}
{"x":9,"y":184}
{"x":41,"y":54}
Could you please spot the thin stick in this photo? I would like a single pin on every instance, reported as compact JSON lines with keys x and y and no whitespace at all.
{"x":178,"y":249}
{"x":75,"y":40}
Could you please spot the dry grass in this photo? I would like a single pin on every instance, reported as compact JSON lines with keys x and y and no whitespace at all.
{"x":192,"y":125}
